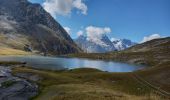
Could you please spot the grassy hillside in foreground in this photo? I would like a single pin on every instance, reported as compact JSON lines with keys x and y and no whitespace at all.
{"x":89,"y":84}
{"x":159,"y":76}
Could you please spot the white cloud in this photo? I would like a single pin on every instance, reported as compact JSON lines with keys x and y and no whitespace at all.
{"x":95,"y":34}
{"x":64,"y":7}
{"x":79,"y":33}
{"x":68,"y":30}
{"x":151,"y":37}
{"x":81,"y":6}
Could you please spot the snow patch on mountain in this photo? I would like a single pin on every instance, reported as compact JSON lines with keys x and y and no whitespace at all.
{"x":95,"y":45}
{"x":121,"y":44}
{"x":102,"y":44}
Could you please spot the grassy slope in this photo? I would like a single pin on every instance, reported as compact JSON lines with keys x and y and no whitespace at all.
{"x":11,"y":51}
{"x":13,"y":44}
{"x":89,"y":84}
{"x":158,"y":76}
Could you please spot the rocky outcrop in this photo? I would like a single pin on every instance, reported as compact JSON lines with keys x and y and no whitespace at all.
{"x":15,"y":88}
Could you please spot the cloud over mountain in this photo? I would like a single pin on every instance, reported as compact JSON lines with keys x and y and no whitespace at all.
{"x":95,"y":34}
{"x":151,"y":37}
{"x":64,"y":7}
{"x":80,"y":32}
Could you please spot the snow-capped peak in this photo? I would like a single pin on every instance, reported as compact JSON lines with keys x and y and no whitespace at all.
{"x":102,"y":44}
{"x":95,"y":45}
{"x":99,"y":41}
{"x":121,"y":44}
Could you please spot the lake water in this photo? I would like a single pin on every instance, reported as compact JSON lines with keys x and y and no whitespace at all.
{"x":58,"y":63}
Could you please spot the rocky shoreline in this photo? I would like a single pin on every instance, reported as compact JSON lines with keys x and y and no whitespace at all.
{"x":16,"y":87}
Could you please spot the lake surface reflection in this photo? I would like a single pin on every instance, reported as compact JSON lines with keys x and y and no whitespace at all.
{"x":58,"y":63}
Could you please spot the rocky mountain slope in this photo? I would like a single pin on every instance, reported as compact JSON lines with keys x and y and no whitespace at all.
{"x":102,"y":45}
{"x":98,"y":46}
{"x":24,"y":25}
{"x":122,"y":44}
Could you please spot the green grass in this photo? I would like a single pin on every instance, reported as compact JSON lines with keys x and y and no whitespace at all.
{"x":158,"y":75}
{"x":88,"y":84}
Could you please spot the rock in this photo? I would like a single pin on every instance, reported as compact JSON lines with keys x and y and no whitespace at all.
{"x":17,"y":88}
{"x":27,"y":48}
{"x":29,"y":76}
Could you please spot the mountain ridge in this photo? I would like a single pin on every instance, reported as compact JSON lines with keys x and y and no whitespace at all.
{"x":122,"y":44}
{"x":102,"y":45}
{"x":42,"y":31}
{"x":95,"y":46}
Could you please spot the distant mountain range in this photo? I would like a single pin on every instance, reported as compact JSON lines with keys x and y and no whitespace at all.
{"x":122,"y":44}
{"x":102,"y":45}
{"x":29,"y":27}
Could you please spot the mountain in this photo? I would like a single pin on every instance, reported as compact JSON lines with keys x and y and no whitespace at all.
{"x":102,"y":45}
{"x":95,"y":45}
{"x":122,"y":44}
{"x":150,"y":53}
{"x":24,"y":25}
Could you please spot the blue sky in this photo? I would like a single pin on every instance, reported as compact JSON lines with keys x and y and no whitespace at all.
{"x":131,"y":19}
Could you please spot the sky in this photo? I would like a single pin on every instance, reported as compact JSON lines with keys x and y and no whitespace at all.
{"x":137,"y":20}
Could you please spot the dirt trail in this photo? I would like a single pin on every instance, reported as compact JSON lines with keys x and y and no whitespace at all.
{"x":155,"y":89}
